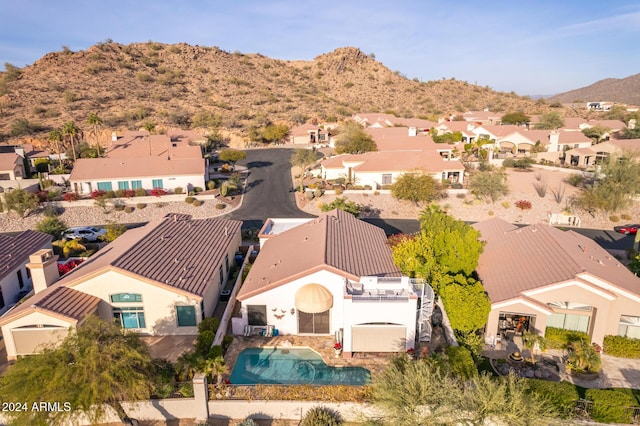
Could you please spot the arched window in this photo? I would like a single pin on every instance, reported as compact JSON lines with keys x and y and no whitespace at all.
{"x":126,"y":298}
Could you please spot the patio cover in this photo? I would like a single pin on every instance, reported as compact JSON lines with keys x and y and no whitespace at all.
{"x":313,"y":299}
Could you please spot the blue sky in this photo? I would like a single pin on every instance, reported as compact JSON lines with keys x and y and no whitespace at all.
{"x":533,"y":48}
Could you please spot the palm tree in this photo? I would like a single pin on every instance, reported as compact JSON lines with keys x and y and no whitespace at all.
{"x":150,"y":127}
{"x":215,"y":367}
{"x":55,"y":137}
{"x":71,"y":131}
{"x":95,"y":121}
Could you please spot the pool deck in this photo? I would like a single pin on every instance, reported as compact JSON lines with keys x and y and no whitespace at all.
{"x":323,"y":345}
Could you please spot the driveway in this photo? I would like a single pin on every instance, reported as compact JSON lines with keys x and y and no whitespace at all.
{"x":268,"y":188}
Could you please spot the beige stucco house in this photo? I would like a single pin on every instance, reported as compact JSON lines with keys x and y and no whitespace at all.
{"x":333,"y":275}
{"x":538,"y":276}
{"x":160,"y":279}
{"x":11,"y":166}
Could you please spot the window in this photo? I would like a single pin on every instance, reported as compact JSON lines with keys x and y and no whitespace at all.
{"x":386,"y":179}
{"x":569,"y":322}
{"x":257,"y":314}
{"x":123,"y":184}
{"x":126,"y":298}
{"x":20,"y":280}
{"x":136,"y":184}
{"x":629,"y":326}
{"x":129,"y":317}
{"x":313,"y":323}
{"x":28,"y":273}
{"x":105,"y":186}
{"x":221,"y":272}
{"x":186,"y":316}
{"x":157,"y":184}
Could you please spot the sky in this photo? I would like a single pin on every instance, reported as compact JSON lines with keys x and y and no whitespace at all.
{"x":537,"y":47}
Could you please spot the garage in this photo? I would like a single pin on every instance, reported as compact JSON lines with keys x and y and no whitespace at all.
{"x":28,"y":339}
{"x":378,"y":338}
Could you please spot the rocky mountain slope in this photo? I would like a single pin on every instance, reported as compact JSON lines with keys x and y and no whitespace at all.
{"x":622,"y":90}
{"x":190,"y":86}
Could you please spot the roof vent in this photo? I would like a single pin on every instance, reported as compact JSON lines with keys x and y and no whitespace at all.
{"x":600,"y":262}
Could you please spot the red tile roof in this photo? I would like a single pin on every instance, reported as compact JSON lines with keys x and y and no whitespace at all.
{"x":15,"y":251}
{"x":336,"y":241}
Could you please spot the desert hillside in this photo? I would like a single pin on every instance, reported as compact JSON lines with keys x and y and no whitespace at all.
{"x":128,"y":85}
{"x":622,"y":90}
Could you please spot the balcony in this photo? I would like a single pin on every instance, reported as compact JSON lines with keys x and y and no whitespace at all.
{"x":386,"y":289}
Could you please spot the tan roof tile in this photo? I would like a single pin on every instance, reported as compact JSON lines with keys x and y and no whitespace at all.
{"x":129,"y":168}
{"x":8,"y":161}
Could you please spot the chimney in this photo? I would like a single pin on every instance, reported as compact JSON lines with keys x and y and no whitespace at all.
{"x":43,"y":265}
{"x":554,"y":139}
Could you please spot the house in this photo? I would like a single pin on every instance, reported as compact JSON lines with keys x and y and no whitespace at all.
{"x":464,"y":127}
{"x":374,"y":119}
{"x":594,"y":155}
{"x":308,"y":133}
{"x":11,"y":166}
{"x":15,"y":277}
{"x":334,"y":275}
{"x":538,"y":276}
{"x":160,"y":279}
{"x":405,"y":139}
{"x":484,"y":117}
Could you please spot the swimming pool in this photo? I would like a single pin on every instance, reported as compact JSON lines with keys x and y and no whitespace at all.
{"x":292,"y":367}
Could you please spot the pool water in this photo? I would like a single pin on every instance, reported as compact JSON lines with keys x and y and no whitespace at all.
{"x":292,"y":367}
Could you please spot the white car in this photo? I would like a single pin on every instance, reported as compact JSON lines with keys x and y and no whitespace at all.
{"x":88,"y":233}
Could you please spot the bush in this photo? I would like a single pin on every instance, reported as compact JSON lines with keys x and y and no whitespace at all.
{"x":523,"y":204}
{"x":140,"y":192}
{"x":98,"y":193}
{"x":343,"y":204}
{"x":211,"y":185}
{"x":157,"y":192}
{"x":189,"y":200}
{"x":613,"y":218}
{"x":119,"y":206}
{"x":625,"y":216}
{"x":197,"y":189}
{"x":562,"y":395}
{"x":125,"y":193}
{"x":461,"y":362}
{"x":196,"y":203}
{"x":51,"y":211}
{"x":209,"y":323}
{"x":129,"y":209}
{"x":220,"y":206}
{"x":621,"y":346}
{"x":70,"y":196}
{"x":558,"y":338}
{"x":508,"y":162}
{"x":610,"y":406}
{"x":178,"y":190}
{"x":51,"y":225}
{"x":456,"y":185}
{"x":461,"y":196}
{"x":141,"y":206}
{"x":321,"y":416}
{"x":575,"y":179}
{"x":338,"y":190}
{"x":248,"y":422}
{"x":309,"y":195}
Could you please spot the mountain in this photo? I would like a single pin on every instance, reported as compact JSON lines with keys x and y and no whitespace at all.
{"x":622,"y":90}
{"x":175,"y":85}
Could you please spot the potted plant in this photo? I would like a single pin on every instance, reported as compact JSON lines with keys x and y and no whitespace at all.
{"x":337,"y":348}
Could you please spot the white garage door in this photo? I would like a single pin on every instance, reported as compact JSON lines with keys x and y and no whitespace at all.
{"x":378,"y":338}
{"x":27,"y":340}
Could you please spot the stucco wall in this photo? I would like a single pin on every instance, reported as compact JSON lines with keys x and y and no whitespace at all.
{"x":34,"y":318}
{"x":168,"y":182}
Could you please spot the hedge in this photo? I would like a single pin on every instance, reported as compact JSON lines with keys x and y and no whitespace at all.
{"x":610,"y":406}
{"x":558,"y":338}
{"x":562,"y":395}
{"x":620,"y":346}
{"x":461,"y":362}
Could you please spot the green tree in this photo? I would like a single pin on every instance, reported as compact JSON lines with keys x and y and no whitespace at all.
{"x":71,"y":131}
{"x":617,"y":112}
{"x":275,"y":132}
{"x":414,"y":256}
{"x":466,"y":303}
{"x":416,"y":187}
{"x":304,"y":158}
{"x":449,"y":137}
{"x":342,"y":203}
{"x":96,"y":364}
{"x":20,"y":201}
{"x":517,"y":118}
{"x":232,"y":155}
{"x":634,"y":264}
{"x":55,"y":137}
{"x":596,"y":133}
{"x":23,"y":127}
{"x":12,"y":73}
{"x":631,"y":133}
{"x":95,"y":121}
{"x":352,"y":139}
{"x":488,"y":185}
{"x":51,"y":225}
{"x":150,"y":127}
{"x":42,"y":165}
{"x":206,"y":119}
{"x":114,"y":230}
{"x":550,"y":121}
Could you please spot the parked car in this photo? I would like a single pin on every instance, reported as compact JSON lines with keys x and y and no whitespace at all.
{"x":629,"y":229}
{"x":87,"y":233}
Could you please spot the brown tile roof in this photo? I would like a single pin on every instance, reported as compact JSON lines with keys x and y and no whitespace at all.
{"x":8,"y":161}
{"x":303,"y":129}
{"x":498,"y":130}
{"x":515,"y":260}
{"x":395,"y":161}
{"x":130,"y":168}
{"x":15,"y":251}
{"x":609,"y":124}
{"x":398,"y":139}
{"x":336,"y":240}
{"x":67,"y":302}
{"x":136,"y":145}
{"x":572,"y":137}
{"x":573,"y":122}
{"x":626,"y":144}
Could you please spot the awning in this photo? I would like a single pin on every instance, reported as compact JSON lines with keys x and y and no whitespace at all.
{"x":313,"y":299}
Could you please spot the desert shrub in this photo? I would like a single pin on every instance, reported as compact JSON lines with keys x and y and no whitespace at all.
{"x":157,"y":192}
{"x":42,"y":196}
{"x":562,"y":395}
{"x":129,"y":209}
{"x":178,"y":190}
{"x":625,"y":216}
{"x":575,"y":179}
{"x":321,"y":416}
{"x":490,"y":212}
{"x":461,"y":196}
{"x":70,"y":196}
{"x":248,"y":422}
{"x":51,"y":225}
{"x":610,"y":406}
{"x":51,"y":211}
{"x":220,"y":206}
{"x":621,"y":346}
{"x":211,"y":185}
{"x":140,"y":192}
{"x":110,"y":194}
{"x":141,"y":206}
{"x":376,"y":192}
{"x":456,"y":185}
{"x":196,"y":203}
{"x":368,"y":187}
{"x":98,"y":193}
{"x":558,"y":338}
{"x":541,"y":188}
{"x":338,"y":190}
{"x":506,"y":204}
{"x":613,"y":218}
{"x":343,"y":204}
{"x":318,"y":192}
{"x":118,"y":206}
{"x":197,"y":189}
{"x":508,"y":162}
{"x":309,"y":195}
{"x":189,"y":200}
{"x":523,"y":204}
{"x":461,"y":362}
{"x":125,"y":193}
{"x":523,"y":163}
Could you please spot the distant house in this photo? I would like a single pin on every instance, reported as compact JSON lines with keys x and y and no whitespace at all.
{"x":464,"y":127}
{"x":15,"y":277}
{"x":308,"y":134}
{"x":593,"y":155}
{"x":161,"y":279}
{"x":334,"y":275}
{"x":538,"y":276}
{"x":11,"y":166}
{"x":483,"y":118}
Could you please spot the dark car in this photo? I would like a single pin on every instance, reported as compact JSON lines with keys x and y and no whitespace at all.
{"x":630,"y":229}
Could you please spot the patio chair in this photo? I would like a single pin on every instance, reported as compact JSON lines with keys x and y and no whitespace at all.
{"x":248,"y":330}
{"x":268,"y":332}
